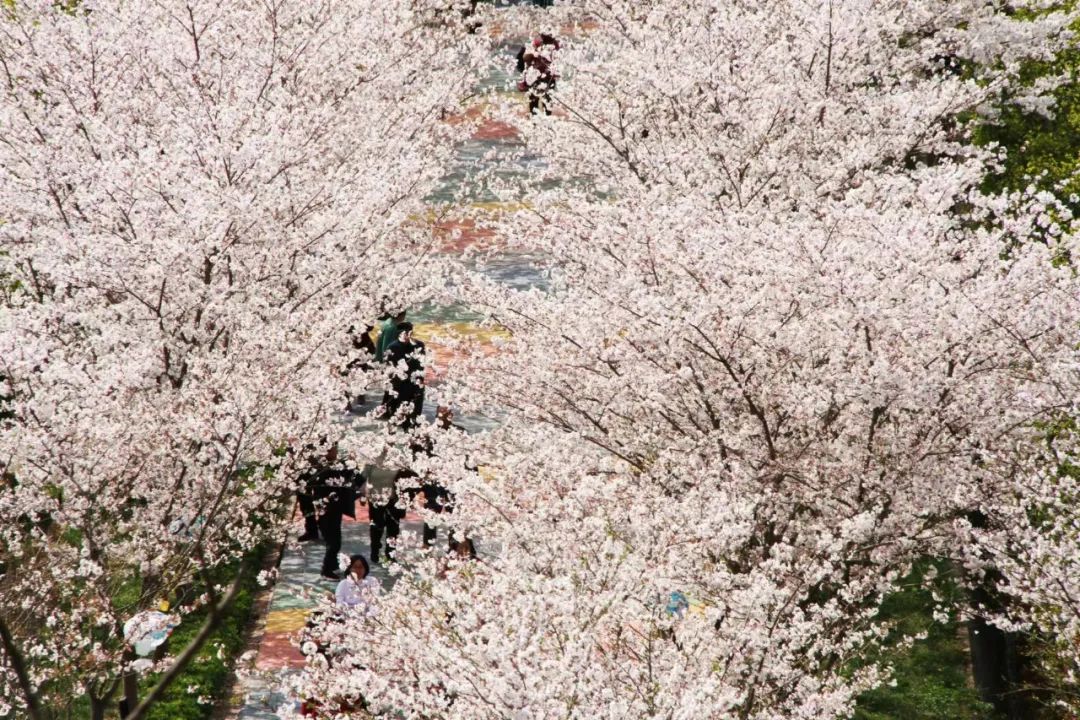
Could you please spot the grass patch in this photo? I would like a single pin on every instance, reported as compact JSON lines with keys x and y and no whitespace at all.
{"x":931,"y":680}
{"x":207,"y":676}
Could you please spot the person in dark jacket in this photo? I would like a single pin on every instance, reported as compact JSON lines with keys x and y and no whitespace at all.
{"x":437,"y":499}
{"x":307,"y":507}
{"x":334,"y":491}
{"x":383,"y":506}
{"x":305,"y":496}
{"x":364,"y":347}
{"x":406,"y":360}
{"x":536,"y":65}
{"x":365,"y":350}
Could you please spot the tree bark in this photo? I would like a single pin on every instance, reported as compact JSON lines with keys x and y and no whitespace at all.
{"x":97,"y":708}
{"x":18,"y":665}
{"x":131,"y":686}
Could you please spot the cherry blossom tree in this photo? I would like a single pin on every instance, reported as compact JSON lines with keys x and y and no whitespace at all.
{"x":199,"y":198}
{"x":788,"y":346}
{"x":1026,"y":546}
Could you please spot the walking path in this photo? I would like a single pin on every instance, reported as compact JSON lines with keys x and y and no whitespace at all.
{"x":295,"y":594}
{"x":299,"y":588}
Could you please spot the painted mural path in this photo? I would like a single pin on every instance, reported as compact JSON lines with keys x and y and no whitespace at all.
{"x":299,"y":589}
{"x":297,"y":592}
{"x":263,"y":673}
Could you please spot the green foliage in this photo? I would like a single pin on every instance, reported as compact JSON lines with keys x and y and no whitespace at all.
{"x":127,"y":592}
{"x":931,"y":681}
{"x":1045,"y":152}
{"x":1041,"y":151}
{"x":209,"y":672}
{"x":1039,"y":148}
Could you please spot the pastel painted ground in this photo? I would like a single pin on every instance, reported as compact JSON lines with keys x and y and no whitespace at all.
{"x":296,"y":593}
{"x":448,"y":332}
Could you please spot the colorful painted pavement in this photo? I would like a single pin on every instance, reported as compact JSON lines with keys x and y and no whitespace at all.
{"x":295,"y":594}
{"x":263,"y":673}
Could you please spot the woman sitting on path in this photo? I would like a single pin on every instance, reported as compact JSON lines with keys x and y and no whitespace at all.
{"x":358,"y":588}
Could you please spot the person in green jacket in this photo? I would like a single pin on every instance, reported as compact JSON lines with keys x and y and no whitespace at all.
{"x":388,"y":334}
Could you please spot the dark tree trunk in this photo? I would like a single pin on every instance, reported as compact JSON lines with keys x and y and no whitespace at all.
{"x":998,"y":661}
{"x":988,"y":662}
{"x":131,"y":687}
{"x":997,"y":665}
{"x":97,"y":708}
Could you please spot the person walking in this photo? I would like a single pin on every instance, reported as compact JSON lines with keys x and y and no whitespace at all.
{"x":365,"y":350}
{"x":385,"y":515}
{"x":437,"y":499}
{"x":363,"y":344}
{"x":306,"y":493}
{"x":537,"y":67}
{"x":388,"y":334}
{"x":335,"y":497}
{"x":406,"y":360}
{"x":305,"y":496}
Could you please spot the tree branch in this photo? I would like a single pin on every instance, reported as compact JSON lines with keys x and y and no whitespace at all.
{"x":19,"y":666}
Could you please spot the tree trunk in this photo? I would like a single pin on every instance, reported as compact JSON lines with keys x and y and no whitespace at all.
{"x":997,"y":664}
{"x":22,"y":675}
{"x":988,"y":661}
{"x":97,"y":708}
{"x":131,"y":687}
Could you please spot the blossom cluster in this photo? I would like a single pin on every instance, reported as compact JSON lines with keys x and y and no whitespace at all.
{"x":787,"y":347}
{"x":199,"y":199}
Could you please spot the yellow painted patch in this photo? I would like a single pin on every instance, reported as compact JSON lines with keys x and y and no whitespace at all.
{"x":502,"y":207}
{"x":464,"y":330}
{"x":285,"y":621}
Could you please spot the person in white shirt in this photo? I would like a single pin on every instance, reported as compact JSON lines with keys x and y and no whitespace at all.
{"x":358,"y":588}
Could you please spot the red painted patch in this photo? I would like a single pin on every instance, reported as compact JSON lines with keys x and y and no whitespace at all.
{"x":495,"y":130}
{"x":455,"y":235}
{"x":277,"y":651}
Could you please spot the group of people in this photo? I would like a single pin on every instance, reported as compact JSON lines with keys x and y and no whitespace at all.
{"x":536,"y":68}
{"x":329,"y":492}
{"x":329,"y":489}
